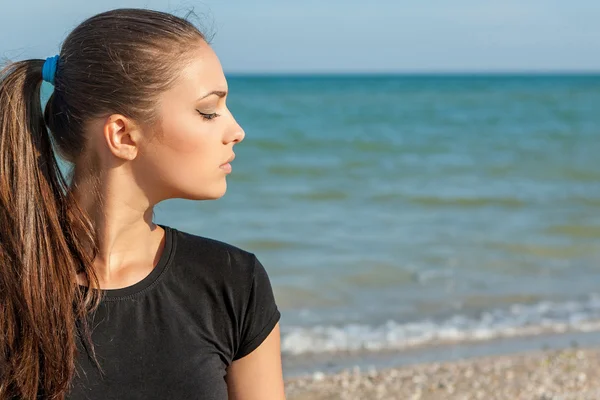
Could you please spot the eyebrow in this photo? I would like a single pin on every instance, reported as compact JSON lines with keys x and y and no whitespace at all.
{"x":219,"y":93}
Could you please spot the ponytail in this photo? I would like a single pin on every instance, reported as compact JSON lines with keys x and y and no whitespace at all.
{"x":45,"y":240}
{"x":119,"y":60}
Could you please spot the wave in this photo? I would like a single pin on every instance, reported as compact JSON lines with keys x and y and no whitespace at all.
{"x":575,"y":231}
{"x":471,"y":202}
{"x":517,"y":320}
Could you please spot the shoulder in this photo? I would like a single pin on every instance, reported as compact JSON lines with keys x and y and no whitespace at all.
{"x":215,"y":258}
{"x":227,"y":290}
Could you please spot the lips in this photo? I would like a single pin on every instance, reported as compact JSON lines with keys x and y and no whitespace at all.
{"x":230,"y":159}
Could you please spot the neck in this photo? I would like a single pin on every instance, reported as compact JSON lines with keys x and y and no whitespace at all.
{"x":129,"y":243}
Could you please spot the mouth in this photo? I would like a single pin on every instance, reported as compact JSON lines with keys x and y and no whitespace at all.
{"x":226,"y":166}
{"x":228,"y":160}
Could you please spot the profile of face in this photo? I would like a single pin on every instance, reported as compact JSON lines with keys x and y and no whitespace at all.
{"x":197,"y":133}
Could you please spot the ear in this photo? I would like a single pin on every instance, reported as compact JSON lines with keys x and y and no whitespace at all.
{"x":122,"y":136}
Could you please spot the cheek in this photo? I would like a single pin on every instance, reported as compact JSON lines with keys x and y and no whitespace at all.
{"x":184,"y":136}
{"x":187,"y":143}
{"x":186,"y":154}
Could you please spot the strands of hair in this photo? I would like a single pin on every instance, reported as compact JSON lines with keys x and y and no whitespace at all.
{"x":46,"y":238}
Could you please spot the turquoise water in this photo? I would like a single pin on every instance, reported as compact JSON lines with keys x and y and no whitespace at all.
{"x":399,"y":211}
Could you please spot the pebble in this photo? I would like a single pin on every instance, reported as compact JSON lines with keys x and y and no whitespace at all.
{"x":318,"y":376}
{"x":550,"y":374}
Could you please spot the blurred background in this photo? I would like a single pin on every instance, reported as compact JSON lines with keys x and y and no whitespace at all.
{"x":421,"y":180}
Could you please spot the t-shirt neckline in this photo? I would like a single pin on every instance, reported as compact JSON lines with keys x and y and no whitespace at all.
{"x":149,"y":280}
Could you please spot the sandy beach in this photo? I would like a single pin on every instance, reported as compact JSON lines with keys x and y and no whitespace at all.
{"x":543,"y":375}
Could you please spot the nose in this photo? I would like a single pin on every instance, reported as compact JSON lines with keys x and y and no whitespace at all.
{"x":239,"y":134}
{"x":236,"y":133}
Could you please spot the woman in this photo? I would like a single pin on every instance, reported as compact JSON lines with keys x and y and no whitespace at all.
{"x":96,"y":300}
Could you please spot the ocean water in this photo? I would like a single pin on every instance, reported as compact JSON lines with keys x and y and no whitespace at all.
{"x":396,"y":212}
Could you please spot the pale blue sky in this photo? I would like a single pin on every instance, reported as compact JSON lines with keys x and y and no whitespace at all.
{"x":350,"y":35}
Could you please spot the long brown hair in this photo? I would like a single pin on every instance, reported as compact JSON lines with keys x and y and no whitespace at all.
{"x":114,"y":62}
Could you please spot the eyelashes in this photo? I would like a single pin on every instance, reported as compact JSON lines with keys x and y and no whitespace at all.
{"x":208,"y":117}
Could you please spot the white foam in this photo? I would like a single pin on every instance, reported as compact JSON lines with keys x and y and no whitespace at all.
{"x":517,"y":320}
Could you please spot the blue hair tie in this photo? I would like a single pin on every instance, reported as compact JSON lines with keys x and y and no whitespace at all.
{"x":49,"y":69}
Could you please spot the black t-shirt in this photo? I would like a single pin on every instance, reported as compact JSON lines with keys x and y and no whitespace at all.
{"x":173,"y":334}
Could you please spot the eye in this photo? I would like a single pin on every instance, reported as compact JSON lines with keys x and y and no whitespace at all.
{"x":208,"y":117}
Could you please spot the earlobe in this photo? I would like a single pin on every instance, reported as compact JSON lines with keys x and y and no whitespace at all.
{"x":121,"y":135}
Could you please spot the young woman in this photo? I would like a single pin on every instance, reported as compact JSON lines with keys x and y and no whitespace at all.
{"x":96,"y":300}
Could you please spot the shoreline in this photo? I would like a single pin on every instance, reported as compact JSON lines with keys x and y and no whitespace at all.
{"x":572,"y":373}
{"x":332,"y":363}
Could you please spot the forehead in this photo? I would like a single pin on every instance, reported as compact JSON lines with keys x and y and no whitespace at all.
{"x":203,"y":73}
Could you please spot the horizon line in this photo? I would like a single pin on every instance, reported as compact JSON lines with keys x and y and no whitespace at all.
{"x":418,"y":73}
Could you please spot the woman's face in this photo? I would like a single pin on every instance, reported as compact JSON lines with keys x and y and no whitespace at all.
{"x":188,"y":157}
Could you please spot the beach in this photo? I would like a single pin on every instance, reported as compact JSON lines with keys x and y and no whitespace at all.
{"x":572,"y":373}
{"x":448,"y":217}
{"x":448,"y":209}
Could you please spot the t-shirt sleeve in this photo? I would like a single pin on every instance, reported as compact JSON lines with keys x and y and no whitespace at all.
{"x":261,"y":314}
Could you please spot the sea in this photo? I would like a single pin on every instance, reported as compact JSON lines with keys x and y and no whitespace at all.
{"x":419,"y":216}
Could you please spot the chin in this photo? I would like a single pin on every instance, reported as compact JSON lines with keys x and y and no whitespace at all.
{"x":213,"y":193}
{"x":215,"y":196}
{"x":202,"y":191}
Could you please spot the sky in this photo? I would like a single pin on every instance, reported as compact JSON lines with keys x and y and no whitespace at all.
{"x":348,"y":36}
